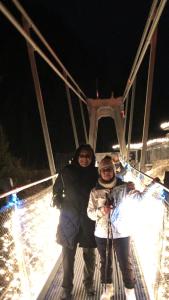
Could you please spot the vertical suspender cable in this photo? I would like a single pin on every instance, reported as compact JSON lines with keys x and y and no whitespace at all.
{"x":131,"y":117}
{"x":40,"y":104}
{"x":83,"y":120}
{"x":148,"y":98}
{"x":71,"y":114}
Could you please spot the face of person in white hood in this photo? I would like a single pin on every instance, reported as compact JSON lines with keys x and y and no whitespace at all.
{"x":107,"y":174}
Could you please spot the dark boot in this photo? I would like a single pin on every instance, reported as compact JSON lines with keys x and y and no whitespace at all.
{"x":88,"y":271}
{"x":65,"y":294}
{"x":90,"y":290}
{"x":89,"y":268}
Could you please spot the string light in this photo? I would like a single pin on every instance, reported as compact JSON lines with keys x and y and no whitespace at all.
{"x":165,"y":126}
{"x":29,"y":248}
{"x":137,"y":146}
{"x":148,"y":235}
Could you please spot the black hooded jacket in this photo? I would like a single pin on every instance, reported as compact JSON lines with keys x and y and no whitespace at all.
{"x":74,"y":224}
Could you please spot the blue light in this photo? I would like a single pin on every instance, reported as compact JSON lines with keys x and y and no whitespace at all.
{"x":165,"y":195}
{"x":11,"y":200}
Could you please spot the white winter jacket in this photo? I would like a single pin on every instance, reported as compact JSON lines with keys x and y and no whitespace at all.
{"x":121,"y":216}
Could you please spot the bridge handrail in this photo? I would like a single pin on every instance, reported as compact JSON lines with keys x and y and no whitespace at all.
{"x":148,"y":176}
{"x":24,"y":187}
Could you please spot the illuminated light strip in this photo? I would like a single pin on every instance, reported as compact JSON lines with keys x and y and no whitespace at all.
{"x":16,"y":233}
{"x":35,"y":252}
{"x":165,"y":125}
{"x":138,"y":146}
{"x":158,"y":140}
{"x":17,"y":190}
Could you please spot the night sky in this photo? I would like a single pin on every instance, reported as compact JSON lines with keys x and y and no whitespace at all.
{"x":97,"y":42}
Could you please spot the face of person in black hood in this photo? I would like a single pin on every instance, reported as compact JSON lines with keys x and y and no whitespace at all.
{"x":85,"y":158}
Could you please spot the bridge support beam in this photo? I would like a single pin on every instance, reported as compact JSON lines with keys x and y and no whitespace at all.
{"x":102,"y":108}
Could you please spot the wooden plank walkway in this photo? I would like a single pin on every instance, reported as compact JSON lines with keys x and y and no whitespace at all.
{"x":52,"y":288}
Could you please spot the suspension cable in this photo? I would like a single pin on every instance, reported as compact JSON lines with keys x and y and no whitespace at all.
{"x":149,"y":90}
{"x":142,"y":40}
{"x":41,"y":37}
{"x":16,"y":24}
{"x":146,"y":44}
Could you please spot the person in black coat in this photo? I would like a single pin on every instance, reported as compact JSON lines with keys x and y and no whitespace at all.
{"x":71,"y":195}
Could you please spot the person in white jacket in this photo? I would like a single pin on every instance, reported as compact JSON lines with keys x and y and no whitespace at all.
{"x":111,"y":205}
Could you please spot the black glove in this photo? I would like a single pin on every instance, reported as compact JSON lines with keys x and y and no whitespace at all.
{"x":57,"y":200}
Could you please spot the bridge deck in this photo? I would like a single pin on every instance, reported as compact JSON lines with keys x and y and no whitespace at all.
{"x":52,"y":288}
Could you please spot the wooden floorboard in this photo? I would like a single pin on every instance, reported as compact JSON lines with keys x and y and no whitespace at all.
{"x":52,"y":288}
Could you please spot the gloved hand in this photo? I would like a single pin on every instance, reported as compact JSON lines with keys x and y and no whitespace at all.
{"x":105,"y":210}
{"x":157,"y":179}
{"x":130,"y":186}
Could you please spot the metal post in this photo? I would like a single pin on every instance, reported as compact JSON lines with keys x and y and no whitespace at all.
{"x":148,"y":99}
{"x":131,"y":117}
{"x":40,"y":103}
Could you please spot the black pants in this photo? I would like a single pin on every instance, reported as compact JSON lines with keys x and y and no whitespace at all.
{"x":68,"y":256}
{"x":123,"y":253}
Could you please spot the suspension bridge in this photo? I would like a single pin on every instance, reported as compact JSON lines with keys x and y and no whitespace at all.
{"x":30,"y":258}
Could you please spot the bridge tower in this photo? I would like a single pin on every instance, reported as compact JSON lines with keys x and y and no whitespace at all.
{"x":102,"y":108}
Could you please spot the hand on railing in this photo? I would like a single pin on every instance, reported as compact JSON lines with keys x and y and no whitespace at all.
{"x":130,"y":185}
